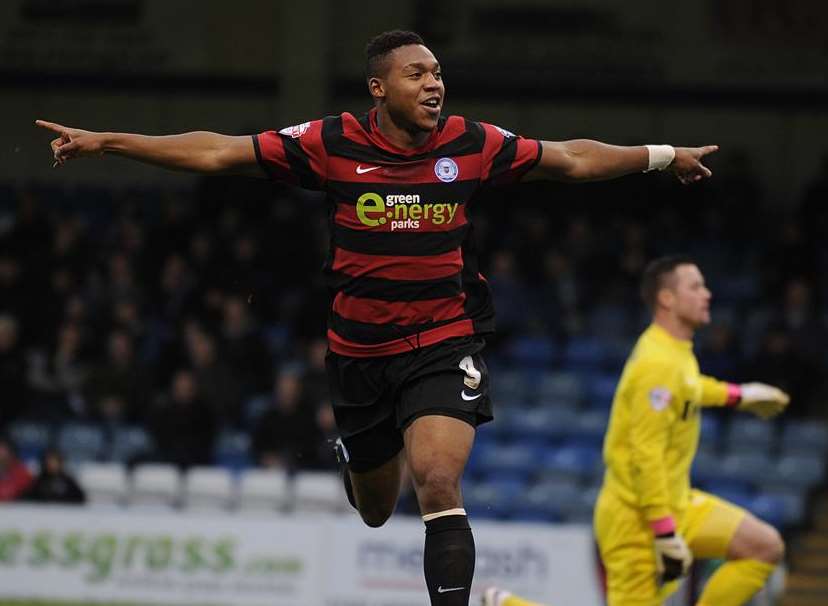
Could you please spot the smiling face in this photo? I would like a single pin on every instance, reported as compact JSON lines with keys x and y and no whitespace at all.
{"x":686,"y":297}
{"x":409,"y":88}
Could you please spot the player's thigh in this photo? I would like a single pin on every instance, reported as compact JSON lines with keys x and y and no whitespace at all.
{"x":437,"y":448}
{"x":710,"y":524}
{"x":626,"y":547}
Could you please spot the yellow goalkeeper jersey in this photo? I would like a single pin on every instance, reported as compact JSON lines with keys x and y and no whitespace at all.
{"x":654,"y":426}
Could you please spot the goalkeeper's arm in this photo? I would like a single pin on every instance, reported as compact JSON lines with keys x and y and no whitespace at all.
{"x":763,"y":400}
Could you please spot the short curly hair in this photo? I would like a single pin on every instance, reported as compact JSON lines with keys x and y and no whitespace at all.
{"x":379,"y":46}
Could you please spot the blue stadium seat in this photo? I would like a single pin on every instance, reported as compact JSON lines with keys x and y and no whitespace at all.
{"x":548,"y":422}
{"x":706,"y":468}
{"x":532,"y":351}
{"x":232,"y":451}
{"x":585,"y":353}
{"x":601,"y":390}
{"x":510,"y":387}
{"x":31,"y":438}
{"x":711,"y":429}
{"x":796,"y":472}
{"x":769,"y":508}
{"x":610,"y":321}
{"x":749,"y":467}
{"x":560,"y":389}
{"x":253,"y":408}
{"x":575,"y":462}
{"x":492,"y":499}
{"x":80,"y":442}
{"x":552,"y":499}
{"x":793,"y":507}
{"x":589,"y":429}
{"x":518,"y":461}
{"x":748,"y":434}
{"x":804,"y":437}
{"x":129,"y":443}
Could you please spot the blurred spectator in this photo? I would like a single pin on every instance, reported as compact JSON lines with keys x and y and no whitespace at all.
{"x":183,"y":425}
{"x":54,"y":484}
{"x":718,"y":354}
{"x":779,"y":363}
{"x":242,"y":344}
{"x":15,"y":477}
{"x":287,"y":434}
{"x":219,"y":387}
{"x":13,"y":384}
{"x":119,"y":381}
{"x":57,"y":376}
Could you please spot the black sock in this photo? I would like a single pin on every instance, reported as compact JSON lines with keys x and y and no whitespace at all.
{"x":448,"y":560}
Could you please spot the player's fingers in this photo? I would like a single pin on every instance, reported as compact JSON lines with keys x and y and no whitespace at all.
{"x":707,"y":149}
{"x":51,"y":126}
{"x":67,"y":149}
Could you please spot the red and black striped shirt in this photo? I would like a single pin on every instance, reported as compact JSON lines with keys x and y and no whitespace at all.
{"x":402,"y":262}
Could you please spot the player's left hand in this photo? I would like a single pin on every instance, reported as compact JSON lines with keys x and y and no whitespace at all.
{"x":764,"y":401}
{"x":687,"y":164}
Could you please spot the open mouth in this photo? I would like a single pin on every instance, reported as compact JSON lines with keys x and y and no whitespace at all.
{"x":432,"y":104}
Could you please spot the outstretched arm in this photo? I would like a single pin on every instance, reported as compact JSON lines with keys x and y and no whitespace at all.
{"x":586,"y":160}
{"x":201,"y":152}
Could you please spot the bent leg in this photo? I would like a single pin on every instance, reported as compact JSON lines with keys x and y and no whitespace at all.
{"x":718,"y":529}
{"x":376,"y":491}
{"x":375,"y":463}
{"x":437,"y":448}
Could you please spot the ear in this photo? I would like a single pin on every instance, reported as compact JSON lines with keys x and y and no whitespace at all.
{"x":665,"y":298}
{"x":376,"y":88}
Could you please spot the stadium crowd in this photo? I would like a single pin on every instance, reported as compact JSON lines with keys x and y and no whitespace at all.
{"x":187,"y":312}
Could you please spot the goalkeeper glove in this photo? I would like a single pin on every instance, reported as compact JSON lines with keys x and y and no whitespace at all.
{"x":673,"y":557}
{"x":764,"y":401}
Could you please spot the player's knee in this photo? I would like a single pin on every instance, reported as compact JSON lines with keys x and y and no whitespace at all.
{"x":374,"y":515}
{"x":437,"y":490}
{"x":771,"y":547}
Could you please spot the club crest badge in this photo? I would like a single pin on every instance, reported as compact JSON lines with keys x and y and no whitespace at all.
{"x":446,"y":170}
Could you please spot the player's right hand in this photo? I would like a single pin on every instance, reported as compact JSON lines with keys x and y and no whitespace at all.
{"x":673,"y":557}
{"x":72,"y":142}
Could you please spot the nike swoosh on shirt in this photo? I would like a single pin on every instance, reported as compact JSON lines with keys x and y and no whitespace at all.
{"x":467,"y":397}
{"x":441,"y":589}
{"x":362,"y":171}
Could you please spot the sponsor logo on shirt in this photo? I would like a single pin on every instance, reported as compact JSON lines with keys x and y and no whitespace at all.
{"x":294,"y":132}
{"x":403,"y":211}
{"x":660,"y":398}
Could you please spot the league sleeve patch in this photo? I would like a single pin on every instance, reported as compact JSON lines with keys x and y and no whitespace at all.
{"x":660,"y":398}
{"x":294,"y":132}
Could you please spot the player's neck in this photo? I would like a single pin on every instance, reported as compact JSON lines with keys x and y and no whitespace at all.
{"x":675,"y":327}
{"x":396,"y":134}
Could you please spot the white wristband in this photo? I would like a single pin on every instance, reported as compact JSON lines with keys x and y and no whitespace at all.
{"x":661,"y":156}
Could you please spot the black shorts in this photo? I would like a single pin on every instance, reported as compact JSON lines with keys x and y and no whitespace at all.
{"x":375,"y":399}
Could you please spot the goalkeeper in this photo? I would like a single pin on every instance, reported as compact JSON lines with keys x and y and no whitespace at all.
{"x":649,"y":522}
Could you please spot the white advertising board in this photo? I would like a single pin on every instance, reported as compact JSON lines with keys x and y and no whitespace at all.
{"x":77,"y":554}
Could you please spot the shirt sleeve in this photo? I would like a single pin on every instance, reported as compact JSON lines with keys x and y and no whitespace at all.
{"x":654,"y":410}
{"x":295,"y":154}
{"x":506,"y":157}
{"x":713,"y":392}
